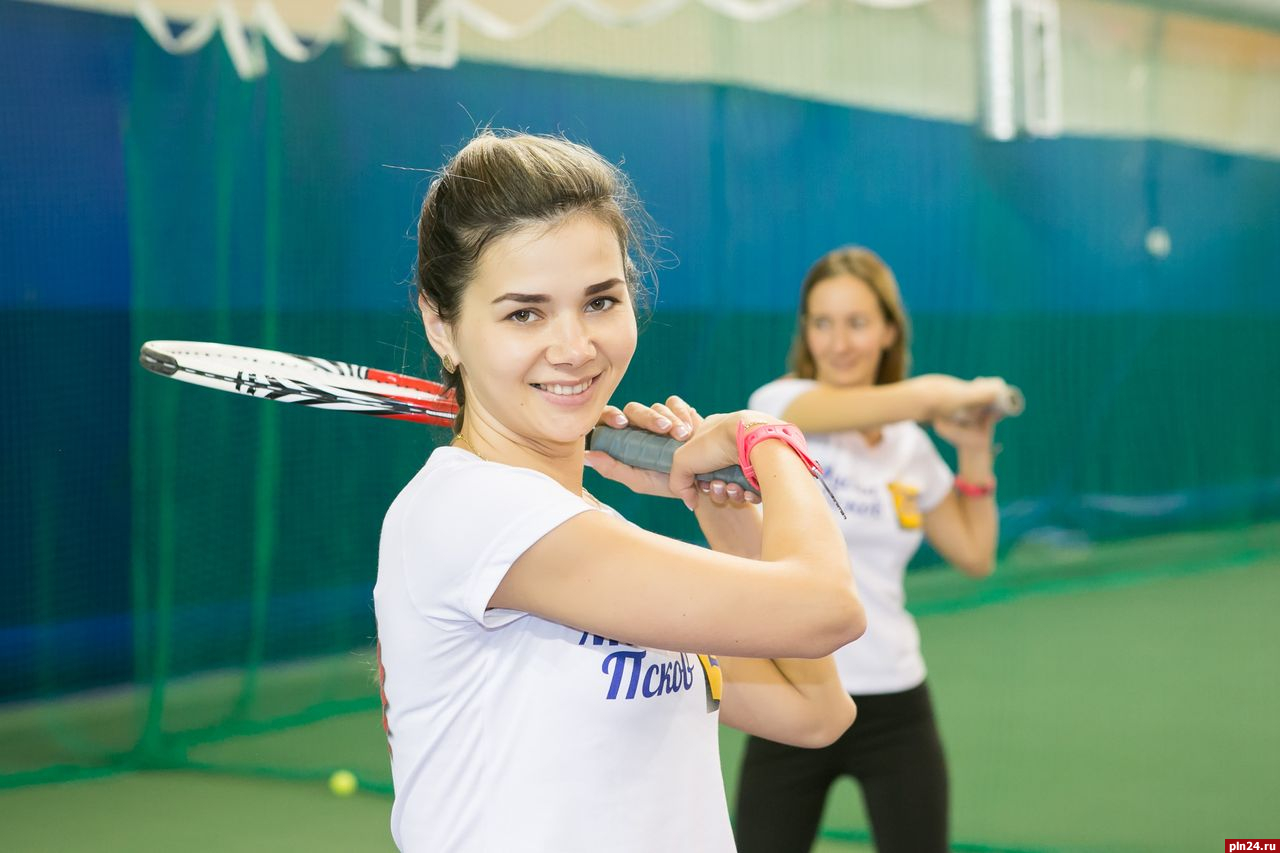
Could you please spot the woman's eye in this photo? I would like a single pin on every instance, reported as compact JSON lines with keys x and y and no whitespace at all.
{"x":524,"y":315}
{"x":821,"y":323}
{"x":604,"y":303}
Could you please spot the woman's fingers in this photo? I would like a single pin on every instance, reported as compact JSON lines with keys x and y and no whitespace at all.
{"x":606,"y":466}
{"x":978,"y":432}
{"x":674,"y":417}
{"x":679,"y":428}
{"x":651,"y":418}
{"x":992,"y":390}
{"x":684,"y":411}
{"x":725,"y":494}
{"x":613,"y":416}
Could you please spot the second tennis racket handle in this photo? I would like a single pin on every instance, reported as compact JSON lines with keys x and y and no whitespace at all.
{"x":643,"y":449}
{"x":1010,"y":405}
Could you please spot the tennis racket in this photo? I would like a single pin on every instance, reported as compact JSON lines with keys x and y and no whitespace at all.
{"x":320,"y":383}
{"x":340,"y":386}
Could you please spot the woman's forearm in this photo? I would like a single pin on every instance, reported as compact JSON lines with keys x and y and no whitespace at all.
{"x":827,"y":709}
{"x":796,"y":702}
{"x":830,"y":409}
{"x":802,"y":541}
{"x":980,"y":512}
{"x":731,"y":528}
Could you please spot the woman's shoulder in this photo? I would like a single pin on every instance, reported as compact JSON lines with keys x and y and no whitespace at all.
{"x":454,"y":480}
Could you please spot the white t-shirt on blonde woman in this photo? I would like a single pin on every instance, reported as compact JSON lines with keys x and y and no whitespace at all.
{"x":884,"y":490}
{"x":511,"y":733}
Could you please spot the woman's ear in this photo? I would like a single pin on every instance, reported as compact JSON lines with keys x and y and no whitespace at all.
{"x":890,"y":336}
{"x":439,"y":333}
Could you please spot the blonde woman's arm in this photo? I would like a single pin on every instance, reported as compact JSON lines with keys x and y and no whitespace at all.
{"x":826,"y":408}
{"x":965,"y":528}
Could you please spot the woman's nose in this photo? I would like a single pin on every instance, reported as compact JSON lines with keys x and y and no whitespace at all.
{"x":571,"y":345}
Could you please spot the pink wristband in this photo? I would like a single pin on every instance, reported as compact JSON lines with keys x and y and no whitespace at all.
{"x":974,"y":490}
{"x":789,"y":434}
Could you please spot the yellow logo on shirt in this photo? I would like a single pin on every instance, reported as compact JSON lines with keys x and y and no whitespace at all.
{"x":715,"y":680}
{"x":906,"y":505}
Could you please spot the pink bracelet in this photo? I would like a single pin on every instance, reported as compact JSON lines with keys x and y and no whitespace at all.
{"x":975,"y":490}
{"x":749,"y":435}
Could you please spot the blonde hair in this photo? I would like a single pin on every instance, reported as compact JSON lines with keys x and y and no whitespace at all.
{"x":864,"y":265}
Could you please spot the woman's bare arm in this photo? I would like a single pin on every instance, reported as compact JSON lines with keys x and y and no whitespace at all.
{"x":826,"y":408}
{"x":603,"y":575}
{"x":965,"y":529}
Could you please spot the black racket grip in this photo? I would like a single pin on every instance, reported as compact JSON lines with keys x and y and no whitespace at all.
{"x":640,"y":448}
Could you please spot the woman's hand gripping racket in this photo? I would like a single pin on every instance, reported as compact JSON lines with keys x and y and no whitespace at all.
{"x":638,"y":457}
{"x":646,"y":450}
{"x":973,"y":427}
{"x":1003,"y":401}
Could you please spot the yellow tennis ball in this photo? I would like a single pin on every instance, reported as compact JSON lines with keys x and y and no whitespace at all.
{"x":343,"y":783}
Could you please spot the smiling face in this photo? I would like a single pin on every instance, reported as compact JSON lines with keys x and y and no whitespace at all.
{"x":846,"y":331}
{"x":545,"y":332}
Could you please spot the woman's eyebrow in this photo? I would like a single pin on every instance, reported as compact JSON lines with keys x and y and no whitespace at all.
{"x":603,"y":286}
{"x":539,"y":298}
{"x":529,"y":298}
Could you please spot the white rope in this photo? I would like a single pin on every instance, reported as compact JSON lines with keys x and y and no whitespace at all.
{"x":244,"y":44}
{"x":369,"y":23}
{"x":285,"y":42}
{"x":430,"y":40}
{"x":192,"y":38}
{"x":246,"y":52}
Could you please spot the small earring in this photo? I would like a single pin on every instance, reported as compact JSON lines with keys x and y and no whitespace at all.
{"x":449,"y":366}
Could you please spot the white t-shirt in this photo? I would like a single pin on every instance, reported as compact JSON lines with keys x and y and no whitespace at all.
{"x":884,"y":490}
{"x":512,"y":733}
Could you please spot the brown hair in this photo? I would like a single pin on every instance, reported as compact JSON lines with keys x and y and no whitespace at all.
{"x":865,"y":265}
{"x":502,"y":182}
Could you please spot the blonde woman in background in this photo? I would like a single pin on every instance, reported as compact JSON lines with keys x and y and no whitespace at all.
{"x":849,"y":392}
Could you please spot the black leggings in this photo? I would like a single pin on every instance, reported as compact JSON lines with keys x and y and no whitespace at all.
{"x":892,"y":750}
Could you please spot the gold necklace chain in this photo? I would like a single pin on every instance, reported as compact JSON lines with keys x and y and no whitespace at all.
{"x":592,"y":499}
{"x":459,"y":439}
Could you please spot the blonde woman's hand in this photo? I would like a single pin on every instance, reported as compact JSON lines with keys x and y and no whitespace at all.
{"x":964,"y":400}
{"x":972,"y":433}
